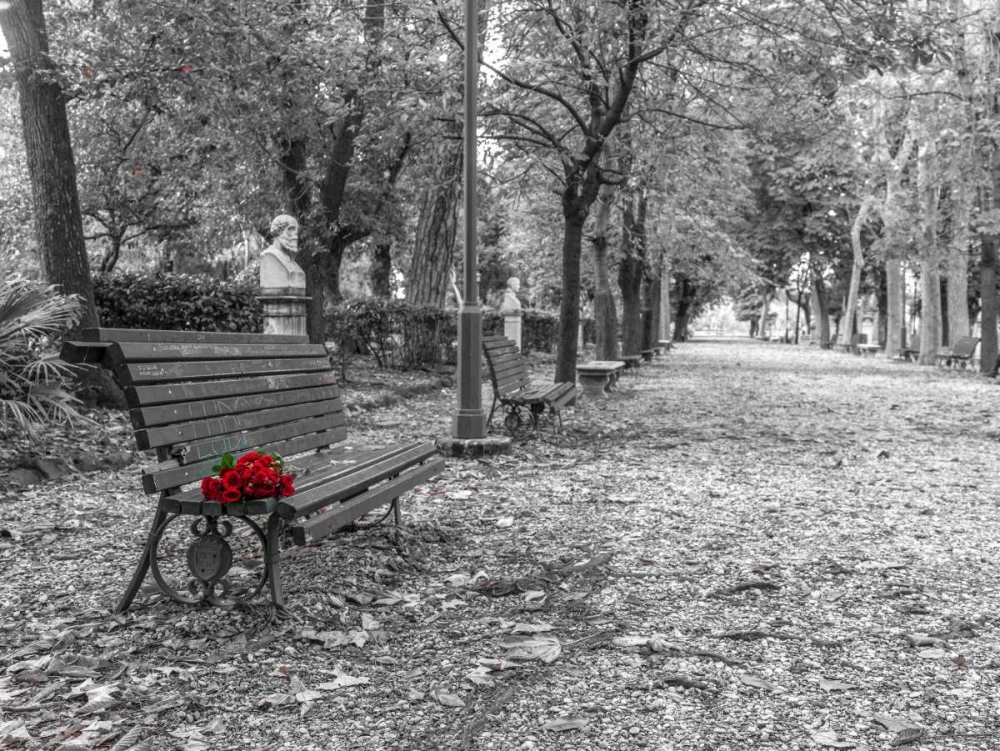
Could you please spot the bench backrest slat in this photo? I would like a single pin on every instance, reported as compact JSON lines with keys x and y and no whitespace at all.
{"x":233,"y":443}
{"x":163,"y":335}
{"x":184,"y":432}
{"x":172,"y":474}
{"x":135,"y":352}
{"x":162,"y":372}
{"x":187,"y":411}
{"x":142,"y":396}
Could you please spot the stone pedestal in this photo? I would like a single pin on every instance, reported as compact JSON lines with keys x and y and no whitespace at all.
{"x":512,"y":326}
{"x":284,"y":312}
{"x":597,"y":377}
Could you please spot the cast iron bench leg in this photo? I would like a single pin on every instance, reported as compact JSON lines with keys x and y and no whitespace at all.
{"x":142,"y":568}
{"x":273,"y":556}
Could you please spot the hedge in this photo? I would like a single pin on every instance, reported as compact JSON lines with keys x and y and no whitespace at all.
{"x":400,"y":335}
{"x":176,"y":302}
{"x":397,"y":334}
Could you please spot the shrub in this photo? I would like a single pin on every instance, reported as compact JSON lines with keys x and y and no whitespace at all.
{"x":177,"y":302}
{"x":400,"y":335}
{"x":34,"y":383}
{"x":397,"y":334}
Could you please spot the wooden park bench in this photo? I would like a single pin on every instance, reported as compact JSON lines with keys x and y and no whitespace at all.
{"x":853,"y":347}
{"x":647,"y":355}
{"x":194,"y":396}
{"x":598,"y":377}
{"x":513,"y":390}
{"x":866,"y":349}
{"x":962,"y":353}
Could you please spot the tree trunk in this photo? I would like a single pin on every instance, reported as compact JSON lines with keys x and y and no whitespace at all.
{"x":380,"y":272}
{"x":437,"y":228}
{"x":958,"y":261}
{"x":632,"y":268}
{"x":650,"y":311}
{"x":49,"y":152}
{"x":988,"y":357}
{"x":110,"y":259}
{"x":686,"y":292}
{"x":765,"y":309}
{"x":859,"y":263}
{"x":930,"y":275}
{"x":822,"y":311}
{"x":664,"y":328}
{"x":575,"y":215}
{"x":605,"y":310}
{"x":630,"y":273}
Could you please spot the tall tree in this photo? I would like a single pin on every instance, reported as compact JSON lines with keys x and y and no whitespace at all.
{"x":584,"y":61}
{"x":49,"y":150}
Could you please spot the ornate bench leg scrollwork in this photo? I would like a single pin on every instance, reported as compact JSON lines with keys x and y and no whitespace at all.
{"x":209,"y":561}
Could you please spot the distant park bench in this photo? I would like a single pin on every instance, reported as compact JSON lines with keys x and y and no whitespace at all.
{"x":961,"y":354}
{"x":513,"y":389}
{"x":194,"y":396}
{"x":854,"y":347}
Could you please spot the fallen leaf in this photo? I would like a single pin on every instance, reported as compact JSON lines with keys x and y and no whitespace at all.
{"x":567,"y":722}
{"x":630,"y":641}
{"x":447,"y":699}
{"x":906,"y":735}
{"x":531,"y":628}
{"x":827,"y":685}
{"x":750,"y":680}
{"x":505,"y":521}
{"x":277,"y":700}
{"x":544,"y":648}
{"x":832,"y":740}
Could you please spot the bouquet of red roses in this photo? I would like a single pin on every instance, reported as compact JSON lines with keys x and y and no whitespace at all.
{"x":250,"y":477}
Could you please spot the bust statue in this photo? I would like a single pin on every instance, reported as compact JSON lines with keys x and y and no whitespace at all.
{"x":279,"y":273}
{"x":510,"y":302}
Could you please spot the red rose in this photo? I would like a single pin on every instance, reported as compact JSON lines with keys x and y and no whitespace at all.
{"x":211,"y":488}
{"x":231,"y":480}
{"x":231,"y":495}
{"x":285,"y":488}
{"x":247,"y":458}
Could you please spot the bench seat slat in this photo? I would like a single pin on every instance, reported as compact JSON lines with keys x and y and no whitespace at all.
{"x":338,"y":490}
{"x":173,"y":393}
{"x":186,"y":432}
{"x":313,"y":470}
{"x":161,"y":372}
{"x":322,"y":469}
{"x":334,"y":518}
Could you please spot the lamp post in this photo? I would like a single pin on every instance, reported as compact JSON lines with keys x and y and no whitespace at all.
{"x":470,"y":421}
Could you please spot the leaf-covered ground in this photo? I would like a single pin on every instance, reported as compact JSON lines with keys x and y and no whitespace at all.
{"x":748,"y":546}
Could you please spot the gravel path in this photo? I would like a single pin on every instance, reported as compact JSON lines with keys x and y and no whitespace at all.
{"x":748,"y":546}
